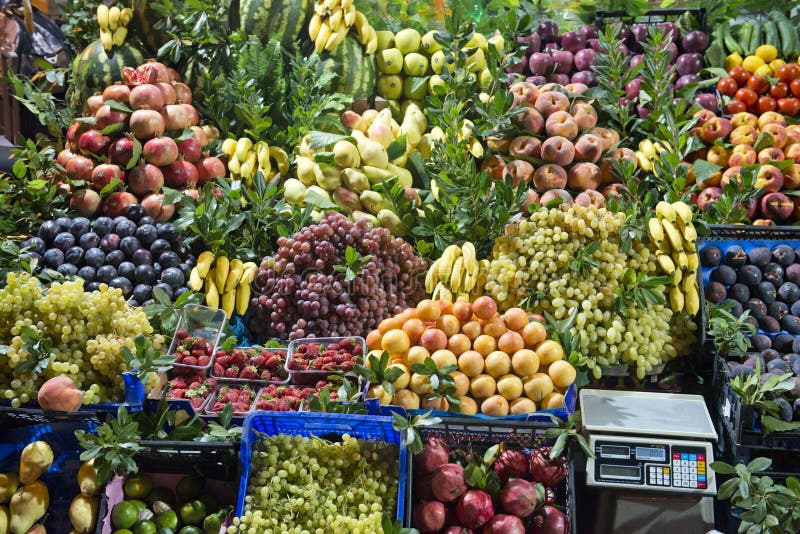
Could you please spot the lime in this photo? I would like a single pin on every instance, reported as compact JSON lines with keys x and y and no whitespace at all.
{"x":193,"y":512}
{"x":210,"y":502}
{"x":190,"y":487}
{"x":161,"y":494}
{"x":165,"y":531}
{"x":189,"y":529}
{"x":140,"y":505}
{"x":168,"y":519}
{"x":122,"y":531}
{"x":212,"y":523}
{"x":138,"y":487}
{"x":124,"y":515}
{"x":144,"y":526}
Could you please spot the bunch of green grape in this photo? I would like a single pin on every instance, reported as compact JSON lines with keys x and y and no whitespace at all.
{"x":571,"y":257}
{"x":87,"y":333}
{"x":314,"y":486}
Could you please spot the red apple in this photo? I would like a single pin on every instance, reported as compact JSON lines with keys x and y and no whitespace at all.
{"x":708,"y":196}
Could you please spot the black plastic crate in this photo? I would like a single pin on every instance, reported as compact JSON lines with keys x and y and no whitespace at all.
{"x":16,"y":417}
{"x":458,"y":431}
{"x":652,"y":17}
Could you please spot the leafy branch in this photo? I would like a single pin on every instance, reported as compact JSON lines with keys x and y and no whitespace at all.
{"x":38,"y":350}
{"x":583,"y":261}
{"x":409,"y":428}
{"x":565,"y":432}
{"x":440,"y":379}
{"x":753,"y":392}
{"x":353,"y":263}
{"x":146,"y":359}
{"x":113,"y":446}
{"x":164,"y":314}
{"x":380,"y":372}
{"x":729,"y":333}
{"x":640,"y":290}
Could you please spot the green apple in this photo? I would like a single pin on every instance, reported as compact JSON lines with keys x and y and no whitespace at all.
{"x":415,"y":64}
{"x":429,"y":43}
{"x":478,"y":41}
{"x":390,"y":61}
{"x":415,"y":87}
{"x":390,"y":86}
{"x":485,"y":78}
{"x":407,"y":40}
{"x":497,"y":41}
{"x":441,"y":63}
{"x":476,"y":61}
{"x":435,"y":81}
{"x":385,"y":39}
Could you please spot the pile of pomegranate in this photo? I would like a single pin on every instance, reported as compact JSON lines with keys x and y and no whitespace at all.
{"x":144,"y":132}
{"x":457,"y":492}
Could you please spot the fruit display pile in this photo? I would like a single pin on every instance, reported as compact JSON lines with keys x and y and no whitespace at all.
{"x":251,"y":364}
{"x":24,"y":497}
{"x":759,"y":46}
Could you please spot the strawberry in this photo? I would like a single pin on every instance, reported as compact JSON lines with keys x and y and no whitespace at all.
{"x":249,"y":373}
{"x":258,"y":361}
{"x":232,"y":372}
{"x":203,"y":360}
{"x":189,"y":360}
{"x":177,"y":393}
{"x":182,"y":334}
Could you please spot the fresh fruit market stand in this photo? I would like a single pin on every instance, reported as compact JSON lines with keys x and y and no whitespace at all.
{"x":433,"y":267}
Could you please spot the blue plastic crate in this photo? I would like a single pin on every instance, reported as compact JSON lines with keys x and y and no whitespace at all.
{"x":319,"y":424}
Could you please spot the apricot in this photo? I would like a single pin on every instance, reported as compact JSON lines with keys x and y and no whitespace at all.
{"x":525,"y":362}
{"x":389,"y":324}
{"x":417,"y":355}
{"x":467,"y":406}
{"x":495,"y":406}
{"x":537,"y":387}
{"x":553,"y":401}
{"x":433,"y":339}
{"x":549,"y":351}
{"x":484,"y":344}
{"x":510,"y":386}
{"x":377,"y":392}
{"x":428,"y":310}
{"x":420,"y":384}
{"x":459,"y":344}
{"x":445,"y":307}
{"x":472,"y":329}
{"x":439,"y":404}
{"x":462,"y":311}
{"x":497,"y":363}
{"x":484,"y":307}
{"x":482,"y":386}
{"x":519,"y":406}
{"x":401,"y":382}
{"x":374,"y":340}
{"x":533,"y":333}
{"x":407,"y":314}
{"x":462,"y":383}
{"x":444,"y":358}
{"x":470,"y":363}
{"x":495,"y":327}
{"x":449,"y":325}
{"x":510,"y":342}
{"x":562,"y":373}
{"x":413,"y":329}
{"x":515,"y":318}
{"x":395,"y":342}
{"x":59,"y":394}
{"x":407,"y":399}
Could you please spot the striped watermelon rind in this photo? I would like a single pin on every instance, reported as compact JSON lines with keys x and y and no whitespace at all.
{"x":357,"y":73}
{"x":95,"y":68}
{"x":267,"y":19}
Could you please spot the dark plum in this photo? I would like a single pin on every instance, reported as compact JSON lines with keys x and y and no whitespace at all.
{"x":761,"y":342}
{"x":757,"y":308}
{"x":146,"y":234}
{"x":142,"y":292}
{"x":185,"y":269}
{"x":169,"y":259}
{"x":795,"y":308}
{"x":766,"y":292}
{"x":190,"y":260}
{"x":92,"y":286}
{"x":89,"y":240}
{"x":67,"y":269}
{"x":774,"y":273}
{"x":34,"y":256}
{"x":142,"y":257}
{"x":125,"y":228}
{"x":157,"y":268}
{"x":792,"y":273}
{"x":735,"y":256}
{"x":127,"y":270}
{"x":777,"y":309}
{"x":147,"y":220}
{"x":785,"y":409}
{"x":53,"y":258}
{"x":167,"y":231}
{"x":736,"y":307}
{"x":48,"y":231}
{"x":128,"y":245}
{"x":741,"y":370}
{"x":755,"y":361}
{"x":133,"y":303}
{"x":172,"y":276}
{"x":770,"y":354}
{"x":34,"y":244}
{"x":87,"y":273}
{"x":180,"y":291}
{"x":710,"y":256}
{"x":789,"y":292}
{"x":94,"y":257}
{"x":723,"y":274}
{"x":135,"y":212}
{"x":783,"y":255}
{"x":791,"y":324}
{"x":715,"y":292}
{"x":115,"y":257}
{"x":739,"y":292}
{"x":165,"y":288}
{"x":64,"y":241}
{"x":796,"y":345}
{"x":105,"y":274}
{"x":119,"y":219}
{"x":778,"y":364}
{"x":759,"y":256}
{"x":769,"y":324}
{"x":109,"y":242}
{"x":145,"y":274}
{"x":74,"y":256}
{"x":749,"y":275}
{"x":79,"y":226}
{"x":124,"y":284}
{"x":64,"y":223}
{"x":103,"y":226}
{"x":159,"y":246}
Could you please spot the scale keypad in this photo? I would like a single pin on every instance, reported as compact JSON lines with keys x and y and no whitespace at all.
{"x":658,"y":475}
{"x":689,"y":470}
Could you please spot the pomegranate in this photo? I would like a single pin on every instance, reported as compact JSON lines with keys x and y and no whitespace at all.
{"x":93,"y":142}
{"x":144,"y":179}
{"x":105,"y":116}
{"x":422,"y":488}
{"x":447,"y":482}
{"x":154,"y":207}
{"x":62,"y":187}
{"x":201,"y":135}
{"x":504,"y":524}
{"x":121,"y":151}
{"x":169,"y":93}
{"x":64,"y":156}
{"x":429,"y":516}
{"x":146,"y":123}
{"x":432,"y":456}
{"x":212,"y":132}
{"x":549,"y":520}
{"x":176,"y":117}
{"x":103,"y":174}
{"x":85,"y":201}
{"x":190,"y":149}
{"x":74,"y":132}
{"x":191,"y":112}
{"x":93,"y":103}
{"x":138,"y":76}
{"x":162,"y":72}
{"x":518,"y":498}
{"x":116,"y":203}
{"x":549,"y":496}
{"x":455,"y":529}
{"x":147,"y":96}
{"x":208,"y":169}
{"x":173,"y":74}
{"x":160,"y":151}
{"x":179,"y":174}
{"x":79,"y":168}
{"x":183,"y":92}
{"x":546,"y":471}
{"x":510,"y":464}
{"x":119,"y":92}
{"x":474,"y":509}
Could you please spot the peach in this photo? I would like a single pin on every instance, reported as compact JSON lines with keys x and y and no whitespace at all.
{"x":562,"y":373}
{"x":374,"y":340}
{"x":428,"y":310}
{"x":390,"y":323}
{"x":59,"y":394}
{"x":549,"y":351}
{"x":519,"y":170}
{"x":549,"y":177}
{"x":413,"y":329}
{"x":607,"y":168}
{"x":793,"y":152}
{"x":793,"y":134}
{"x":510,"y":386}
{"x":550,"y":102}
{"x":459,"y":344}
{"x":530,"y":119}
{"x":462,"y":383}
{"x":610,"y":137}
{"x":778,"y":133}
{"x":557,"y":194}
{"x":420,"y":384}
{"x":558,"y":150}
{"x":576,"y":88}
{"x":395,"y":342}
{"x":525,"y":145}
{"x":515,"y":318}
{"x":708,"y":196}
{"x":530,"y":197}
{"x":742,"y":155}
{"x":590,"y":197}
{"x":439,"y":404}
{"x":524,"y":93}
{"x":713,"y":180}
{"x":771,"y":117}
{"x":716,"y":128}
{"x":718,"y":155}
{"x":510,"y":342}
{"x":552,"y":401}
{"x":744,"y":119}
{"x":538,"y":386}
{"x":744,"y":135}
{"x":770,"y":178}
{"x":613,"y":191}
{"x":585,"y":115}
{"x":584,"y":176}
{"x":731,"y":173}
{"x":561,"y":123}
{"x":771,"y":154}
{"x":467,"y":406}
{"x":494,"y":166}
{"x":589,"y":148}
{"x":703,"y":116}
{"x":405,"y":398}
{"x":791,"y":176}
{"x":443,"y":358}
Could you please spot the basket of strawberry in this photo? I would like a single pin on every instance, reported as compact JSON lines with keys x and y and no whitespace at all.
{"x":191,"y":353}
{"x":239,"y":397}
{"x":313,"y":359}
{"x":257,"y":365}
{"x":280,"y":398}
{"x":195,"y":388}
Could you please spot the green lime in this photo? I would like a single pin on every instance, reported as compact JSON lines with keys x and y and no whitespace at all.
{"x":190,"y":487}
{"x":189,"y":529}
{"x":138,"y":487}
{"x":122,"y":531}
{"x":212,"y":523}
{"x":144,"y":526}
{"x":161,"y":494}
{"x":165,"y":531}
{"x":168,"y":519}
{"x":140,"y":505}
{"x":124,"y":515}
{"x":193,"y":512}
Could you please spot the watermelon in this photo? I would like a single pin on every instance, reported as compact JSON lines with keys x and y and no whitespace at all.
{"x":356,"y":71}
{"x":270,"y":19}
{"x":95,"y":69}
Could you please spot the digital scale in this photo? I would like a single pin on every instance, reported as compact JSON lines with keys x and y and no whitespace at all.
{"x":651,"y":465}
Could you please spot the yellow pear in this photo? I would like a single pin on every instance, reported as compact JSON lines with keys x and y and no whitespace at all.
{"x":28,"y":505}
{"x":36,"y":458}
{"x":4,"y":519}
{"x":83,"y":513}
{"x":87,"y":477}
{"x":9,"y":482}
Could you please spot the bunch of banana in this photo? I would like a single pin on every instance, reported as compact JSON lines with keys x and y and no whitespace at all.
{"x":245,"y":158}
{"x":675,"y":238}
{"x":113,"y":23}
{"x":649,"y":152}
{"x":333,"y":19}
{"x":456,"y":273}
{"x":226,"y":282}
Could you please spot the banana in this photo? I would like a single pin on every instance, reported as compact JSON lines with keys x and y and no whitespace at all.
{"x":281,"y":158}
{"x":242,"y":299}
{"x":349,"y":16}
{"x":648,"y":148}
{"x":372,"y":47}
{"x":330,"y":4}
{"x":113,"y":18}
{"x":229,"y":302}
{"x":234,"y":165}
{"x":119,"y":35}
{"x":243,"y":146}
{"x":666,"y":264}
{"x":102,"y":17}
{"x":126,"y":16}
{"x":677,"y":277}
{"x":212,"y":295}
{"x":249,"y":272}
{"x":676,"y":299}
{"x":693,"y":261}
{"x":222,"y":266}
{"x":248,"y":168}
{"x":336,"y":38}
{"x":204,"y":262}
{"x":347,"y":4}
{"x":195,"y":282}
{"x":322,"y":37}
{"x":106,"y":39}
{"x":457,"y":274}
{"x":690,"y":233}
{"x":656,"y":230}
{"x":643,"y":161}
{"x":229,"y":147}
{"x":665,"y":211}
{"x":471,"y":280}
{"x":362,"y":27}
{"x":462,"y":297}
{"x":683,"y":211}
{"x":432,"y":276}
{"x":336,"y":18}
{"x":692,"y":301}
{"x":675,"y":238}
{"x":683,"y":261}
{"x":235,"y":271}
{"x":689,"y":282}
{"x":314,"y":25}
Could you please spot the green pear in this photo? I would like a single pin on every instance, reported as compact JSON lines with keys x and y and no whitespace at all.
{"x":485,"y":78}
{"x":27,"y":506}
{"x":389,"y":220}
{"x":429,"y":43}
{"x":376,"y":175}
{"x":9,"y":482}
{"x":305,"y":170}
{"x":35,"y":459}
{"x":346,"y":199}
{"x":316,"y":215}
{"x":497,"y":41}
{"x":415,"y":64}
{"x":331,"y":177}
{"x":316,"y":191}
{"x":373,"y":154}
{"x":357,"y":215}
{"x":390,"y":86}
{"x":374,"y":201}
{"x":346,"y":154}
{"x":404,"y":177}
{"x":434,"y":82}
{"x":476,"y":61}
{"x":407,"y":40}
{"x":355,"y":180}
{"x":385,"y":39}
{"x":294,"y":191}
{"x":390,"y":61}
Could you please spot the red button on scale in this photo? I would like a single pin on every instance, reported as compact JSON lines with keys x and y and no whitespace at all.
{"x":676,"y":456}
{"x":701,"y":485}
{"x":701,"y":457}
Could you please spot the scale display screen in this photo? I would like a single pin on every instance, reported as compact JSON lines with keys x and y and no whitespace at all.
{"x":615,"y":451}
{"x":625,"y":472}
{"x":651,"y":454}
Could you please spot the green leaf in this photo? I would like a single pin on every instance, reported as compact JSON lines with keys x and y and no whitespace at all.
{"x":323,"y":139}
{"x":317,"y":199}
{"x":118,"y":106}
{"x":113,"y":128}
{"x":397,"y":148}
{"x":722,"y":468}
{"x":758,"y":465}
